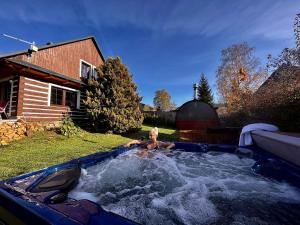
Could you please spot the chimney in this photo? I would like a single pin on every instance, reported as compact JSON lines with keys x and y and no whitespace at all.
{"x":195,"y":86}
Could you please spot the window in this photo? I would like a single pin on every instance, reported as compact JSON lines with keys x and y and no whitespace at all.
{"x":94,"y":73}
{"x":86,"y":70}
{"x":56,"y":96}
{"x":64,"y":96}
{"x":71,"y":99}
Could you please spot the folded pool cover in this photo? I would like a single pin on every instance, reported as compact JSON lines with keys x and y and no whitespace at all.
{"x":41,"y":197}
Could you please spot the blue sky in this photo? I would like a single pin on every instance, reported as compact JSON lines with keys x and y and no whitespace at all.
{"x":165,"y":44}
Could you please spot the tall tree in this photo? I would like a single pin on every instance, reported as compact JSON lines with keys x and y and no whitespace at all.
{"x":289,"y":57}
{"x":112,"y":100}
{"x":204,"y":91}
{"x":283,"y":86}
{"x":297,"y":30}
{"x":162,"y":101}
{"x":238,"y":76}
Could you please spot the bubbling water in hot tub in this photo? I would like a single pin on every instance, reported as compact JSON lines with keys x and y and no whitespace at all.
{"x":188,"y":188}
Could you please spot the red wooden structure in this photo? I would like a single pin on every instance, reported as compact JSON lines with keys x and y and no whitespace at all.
{"x":44,"y":85}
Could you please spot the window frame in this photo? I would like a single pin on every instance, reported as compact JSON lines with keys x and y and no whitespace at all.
{"x":71,"y":100}
{"x":91,"y":65}
{"x":64,"y":95}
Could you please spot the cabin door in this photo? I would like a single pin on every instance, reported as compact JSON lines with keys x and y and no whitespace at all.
{"x":4,"y":91}
{"x":6,"y":94}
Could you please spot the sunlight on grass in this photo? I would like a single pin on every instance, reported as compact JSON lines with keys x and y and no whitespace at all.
{"x":48,"y":148}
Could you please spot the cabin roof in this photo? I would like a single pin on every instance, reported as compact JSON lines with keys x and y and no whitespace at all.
{"x":284,"y":74}
{"x":57,"y":44}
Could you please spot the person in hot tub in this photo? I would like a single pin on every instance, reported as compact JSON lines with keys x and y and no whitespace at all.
{"x":153,"y":143}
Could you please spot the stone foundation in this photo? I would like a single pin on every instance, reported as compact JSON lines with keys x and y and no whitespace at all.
{"x":11,"y":131}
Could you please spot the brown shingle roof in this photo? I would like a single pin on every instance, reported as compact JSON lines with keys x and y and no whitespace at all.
{"x":283,"y":75}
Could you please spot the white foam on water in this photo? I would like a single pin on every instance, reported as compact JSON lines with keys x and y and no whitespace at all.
{"x":184,"y":188}
{"x":86,"y":195}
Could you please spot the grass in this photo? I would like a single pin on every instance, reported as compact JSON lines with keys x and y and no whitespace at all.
{"x":49,"y":148}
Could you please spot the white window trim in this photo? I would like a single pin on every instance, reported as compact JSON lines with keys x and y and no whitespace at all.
{"x":10,"y":96}
{"x":83,"y":61}
{"x":65,"y":88}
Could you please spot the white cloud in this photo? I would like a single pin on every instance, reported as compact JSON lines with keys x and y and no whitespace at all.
{"x":268,"y":18}
{"x":276,"y":22}
{"x":51,"y":12}
{"x":271,"y":19}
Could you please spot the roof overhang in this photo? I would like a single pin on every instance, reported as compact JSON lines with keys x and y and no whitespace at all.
{"x":26,"y":68}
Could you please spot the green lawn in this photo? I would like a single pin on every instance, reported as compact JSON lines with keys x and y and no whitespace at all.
{"x":48,"y":148}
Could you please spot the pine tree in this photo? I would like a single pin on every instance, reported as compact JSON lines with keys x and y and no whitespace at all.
{"x":112,"y":100}
{"x":204,"y":91}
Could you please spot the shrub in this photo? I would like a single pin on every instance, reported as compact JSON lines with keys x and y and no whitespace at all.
{"x":68,"y":127}
{"x":285,"y":116}
{"x":112,"y":100}
{"x":156,"y":120}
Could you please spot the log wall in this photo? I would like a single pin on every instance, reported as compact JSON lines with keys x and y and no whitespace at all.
{"x":33,"y":102}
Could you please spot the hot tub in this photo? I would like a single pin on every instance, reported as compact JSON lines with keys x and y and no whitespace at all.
{"x":194,"y":184}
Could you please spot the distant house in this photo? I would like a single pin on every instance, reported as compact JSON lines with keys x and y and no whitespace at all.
{"x":283,"y":81}
{"x":277,"y":100}
{"x":44,"y":85}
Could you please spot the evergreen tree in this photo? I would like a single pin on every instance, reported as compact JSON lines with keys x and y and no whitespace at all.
{"x":204,"y":91}
{"x":112,"y":100}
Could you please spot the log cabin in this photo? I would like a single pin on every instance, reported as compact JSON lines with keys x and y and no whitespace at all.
{"x":46,"y":84}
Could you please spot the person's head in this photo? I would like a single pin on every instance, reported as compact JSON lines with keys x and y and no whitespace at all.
{"x":153,"y":133}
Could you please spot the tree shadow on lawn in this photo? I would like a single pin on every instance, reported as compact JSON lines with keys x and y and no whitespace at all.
{"x":86,"y":140}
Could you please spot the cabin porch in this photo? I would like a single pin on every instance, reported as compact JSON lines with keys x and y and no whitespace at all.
{"x":7,"y":106}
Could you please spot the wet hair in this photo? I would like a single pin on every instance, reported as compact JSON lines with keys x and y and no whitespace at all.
{"x":155,"y":131}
